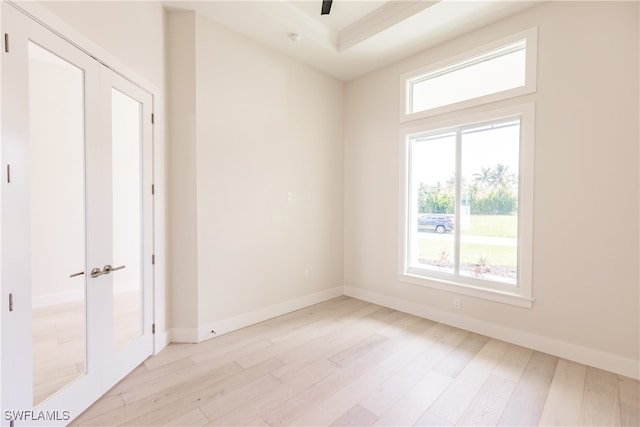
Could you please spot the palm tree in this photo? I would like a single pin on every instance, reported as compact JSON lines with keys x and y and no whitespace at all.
{"x":482,"y":181}
{"x":502,"y":178}
{"x":485,"y":177}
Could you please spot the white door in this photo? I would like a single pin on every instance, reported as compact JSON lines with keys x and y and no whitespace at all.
{"x":76,"y":212}
{"x":120,"y":204}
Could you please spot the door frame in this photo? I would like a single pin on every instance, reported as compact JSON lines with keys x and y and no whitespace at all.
{"x":53,"y":23}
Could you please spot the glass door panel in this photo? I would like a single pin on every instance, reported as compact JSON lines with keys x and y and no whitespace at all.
{"x":126,"y":147}
{"x":128,"y":134}
{"x":57,"y":208}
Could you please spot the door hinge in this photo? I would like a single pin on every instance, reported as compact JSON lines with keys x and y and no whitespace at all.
{"x":10,"y":302}
{"x":153,"y":259}
{"x":6,"y":42}
{"x":153,"y":189}
{"x":153,"y":118}
{"x":8,"y":174}
{"x":153,"y":329}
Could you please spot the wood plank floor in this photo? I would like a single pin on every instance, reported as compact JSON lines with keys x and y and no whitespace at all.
{"x":348,"y":362}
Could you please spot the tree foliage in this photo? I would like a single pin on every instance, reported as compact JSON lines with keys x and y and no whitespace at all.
{"x":436,"y":198}
{"x":493,"y":191}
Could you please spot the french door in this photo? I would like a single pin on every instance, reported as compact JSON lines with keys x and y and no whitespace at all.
{"x":76,"y":212}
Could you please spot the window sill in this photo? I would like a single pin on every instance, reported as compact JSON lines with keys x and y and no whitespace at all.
{"x":470,"y":290}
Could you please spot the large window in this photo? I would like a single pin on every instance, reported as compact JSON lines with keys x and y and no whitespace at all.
{"x":467,"y":211}
{"x":466,"y":217}
{"x":496,"y":71}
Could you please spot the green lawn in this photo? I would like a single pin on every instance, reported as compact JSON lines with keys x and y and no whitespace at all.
{"x":493,"y":225}
{"x":470,"y":253}
{"x":431,"y":246}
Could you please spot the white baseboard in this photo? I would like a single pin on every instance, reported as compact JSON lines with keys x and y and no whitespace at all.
{"x":186,"y":335}
{"x":585,"y":355}
{"x":194,"y":335}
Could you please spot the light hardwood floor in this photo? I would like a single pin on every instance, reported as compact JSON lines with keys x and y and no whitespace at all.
{"x":348,"y":362}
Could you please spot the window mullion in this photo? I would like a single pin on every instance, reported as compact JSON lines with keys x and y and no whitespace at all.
{"x":457,"y":204}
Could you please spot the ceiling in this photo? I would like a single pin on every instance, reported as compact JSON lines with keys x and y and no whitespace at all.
{"x":358,"y":36}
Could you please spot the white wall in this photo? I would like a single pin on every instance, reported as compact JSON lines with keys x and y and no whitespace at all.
{"x":131,"y":31}
{"x":181,"y":170}
{"x":265,"y":126}
{"x":585,"y":275}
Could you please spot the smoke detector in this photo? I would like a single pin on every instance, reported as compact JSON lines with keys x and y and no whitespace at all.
{"x":294,"y":37}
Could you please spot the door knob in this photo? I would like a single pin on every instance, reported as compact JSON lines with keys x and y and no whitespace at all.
{"x":97,"y":272}
{"x":105,"y":270}
{"x":108,"y":269}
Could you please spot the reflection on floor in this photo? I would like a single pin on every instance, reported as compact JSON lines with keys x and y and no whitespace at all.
{"x":59,"y":340}
{"x":127,"y":319}
{"x":58,"y":347}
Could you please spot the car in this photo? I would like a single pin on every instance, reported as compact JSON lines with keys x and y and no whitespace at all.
{"x":440,"y":223}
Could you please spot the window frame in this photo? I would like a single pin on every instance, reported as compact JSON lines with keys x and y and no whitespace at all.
{"x":531,"y":38}
{"x":519,"y":294}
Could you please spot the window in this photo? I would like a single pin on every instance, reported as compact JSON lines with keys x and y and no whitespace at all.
{"x":500,"y":70}
{"x":468,"y":200}
{"x":466,"y":219}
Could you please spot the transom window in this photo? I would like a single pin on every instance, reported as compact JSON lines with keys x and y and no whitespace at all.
{"x":500,"y":70}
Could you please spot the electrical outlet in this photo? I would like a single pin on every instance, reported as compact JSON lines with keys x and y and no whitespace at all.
{"x":457,"y":303}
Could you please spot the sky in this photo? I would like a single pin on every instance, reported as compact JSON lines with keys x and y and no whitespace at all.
{"x":434,"y":159}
